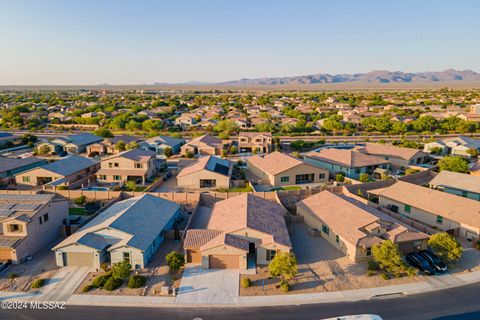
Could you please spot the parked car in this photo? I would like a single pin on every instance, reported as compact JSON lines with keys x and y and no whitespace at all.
{"x":434,"y":261}
{"x":419,"y":262}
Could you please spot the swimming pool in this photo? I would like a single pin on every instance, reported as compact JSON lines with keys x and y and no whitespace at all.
{"x":95,"y":189}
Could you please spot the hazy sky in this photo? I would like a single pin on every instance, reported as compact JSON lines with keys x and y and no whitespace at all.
{"x":136,"y":42}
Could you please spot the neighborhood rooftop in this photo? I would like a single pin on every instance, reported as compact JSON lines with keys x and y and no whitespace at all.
{"x":345,"y":158}
{"x":275,"y":162}
{"x":210,"y":163}
{"x":455,"y":180}
{"x":68,"y":166}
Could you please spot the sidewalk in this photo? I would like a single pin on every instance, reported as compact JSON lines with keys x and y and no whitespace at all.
{"x":432,"y":284}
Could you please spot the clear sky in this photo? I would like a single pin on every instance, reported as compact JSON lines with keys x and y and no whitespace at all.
{"x":142,"y":41}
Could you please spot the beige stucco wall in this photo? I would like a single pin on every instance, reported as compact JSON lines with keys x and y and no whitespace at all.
{"x":77,"y":248}
{"x":203,"y":149}
{"x":275,"y":180}
{"x":37,"y":173}
{"x":148,"y":169}
{"x":192,"y":181}
{"x":136,"y":256}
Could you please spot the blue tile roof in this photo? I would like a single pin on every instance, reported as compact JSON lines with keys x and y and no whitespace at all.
{"x":145,"y":220}
{"x":70,"y":165}
{"x":84,"y":139}
{"x":93,"y":241}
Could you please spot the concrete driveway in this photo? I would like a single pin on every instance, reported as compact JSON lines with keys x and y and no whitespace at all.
{"x":61,"y":286}
{"x":208,"y":286}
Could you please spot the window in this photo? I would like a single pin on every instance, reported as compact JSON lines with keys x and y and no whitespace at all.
{"x":40,"y":220}
{"x":284,"y":179}
{"x":45,"y":217}
{"x":126,"y":256}
{"x":116,"y":165}
{"x":337,"y":238}
{"x":321,"y":176}
{"x":369,"y":251}
{"x":110,"y":165}
{"x":325,"y":229}
{"x":15,"y":228}
{"x":138,"y":166}
{"x":387,"y":158}
{"x":407,"y":208}
{"x":271,"y":254}
{"x":117,"y":178}
{"x":439,"y":219}
{"x":103,"y":177}
{"x":358,"y":170}
{"x":464,"y":194}
{"x":26,"y":179}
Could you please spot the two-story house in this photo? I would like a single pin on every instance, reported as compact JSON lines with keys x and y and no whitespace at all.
{"x":259,"y":141}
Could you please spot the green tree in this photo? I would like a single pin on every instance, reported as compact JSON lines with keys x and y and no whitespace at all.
{"x":120,"y":146}
{"x":43,"y":149}
{"x":364,"y":177}
{"x":387,"y":255}
{"x":473,"y":152}
{"x":168,"y":152}
{"x":340,"y":177}
{"x":446,"y":246}
{"x":426,"y":123}
{"x":103,"y":132}
{"x":131,"y":186}
{"x":436,"y":150}
{"x":283,"y":265}
{"x":455,"y":164}
{"x":226,"y":126}
{"x":131,"y":145}
{"x":121,"y":270}
{"x":175,"y":260}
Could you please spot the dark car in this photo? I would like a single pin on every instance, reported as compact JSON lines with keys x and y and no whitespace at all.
{"x":434,"y":261}
{"x":419,"y":262}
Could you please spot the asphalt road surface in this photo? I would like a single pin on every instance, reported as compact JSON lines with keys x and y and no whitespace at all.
{"x":458,"y":303}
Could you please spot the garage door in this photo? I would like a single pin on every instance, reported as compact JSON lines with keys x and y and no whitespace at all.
{"x":5,"y":254}
{"x":78,"y":259}
{"x":194,"y":256}
{"x":224,"y":261}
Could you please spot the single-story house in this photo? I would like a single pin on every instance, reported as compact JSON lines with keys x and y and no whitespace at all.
{"x":29,"y":222}
{"x":347,"y":161}
{"x":12,"y":166}
{"x":7,"y":139}
{"x":240,"y":227}
{"x":460,"y":184}
{"x":109,"y":145}
{"x":353,"y":227}
{"x":160,"y":143}
{"x":398,"y":156}
{"x":131,"y":229}
{"x":67,"y":171}
{"x":73,"y":144}
{"x":207,"y":172}
{"x":278,"y":169}
{"x":456,"y":215}
{"x":203,"y":145}
{"x":457,"y":146}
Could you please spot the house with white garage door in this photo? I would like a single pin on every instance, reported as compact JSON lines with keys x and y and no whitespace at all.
{"x":131,"y":229}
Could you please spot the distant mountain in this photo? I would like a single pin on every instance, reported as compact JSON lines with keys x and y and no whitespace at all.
{"x":381,"y":76}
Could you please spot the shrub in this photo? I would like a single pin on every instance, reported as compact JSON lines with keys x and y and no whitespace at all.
{"x":12,"y":275}
{"x":284,"y":264}
{"x":373,"y":265}
{"x":121,"y":270}
{"x":175,"y":260}
{"x":284,"y":286}
{"x":388,"y":257}
{"x":246,"y":282}
{"x":80,"y":200}
{"x":478,"y":245}
{"x":87,"y":288}
{"x":339,"y":177}
{"x":136,"y":281}
{"x":105,"y":266}
{"x":371,"y":272}
{"x":38,"y":283}
{"x":384,"y":276}
{"x":112,"y":284}
{"x":99,"y":281}
{"x":446,"y":246}
{"x":364,"y":178}
{"x":62,"y":188}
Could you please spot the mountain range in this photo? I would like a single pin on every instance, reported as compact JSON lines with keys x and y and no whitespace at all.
{"x":381,"y":76}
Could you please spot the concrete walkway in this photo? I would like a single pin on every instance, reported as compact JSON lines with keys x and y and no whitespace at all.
{"x":208,"y":286}
{"x":202,"y":300}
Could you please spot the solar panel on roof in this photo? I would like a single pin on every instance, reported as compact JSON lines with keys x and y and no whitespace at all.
{"x":221,"y":169}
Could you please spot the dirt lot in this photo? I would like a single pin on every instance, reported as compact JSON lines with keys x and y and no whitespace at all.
{"x":41,"y":266}
{"x":157,"y":274}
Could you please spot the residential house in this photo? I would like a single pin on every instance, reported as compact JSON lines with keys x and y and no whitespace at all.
{"x":353,"y":227}
{"x":7,"y":139}
{"x":109,"y":145}
{"x":12,"y":166}
{"x":73,"y":144}
{"x":460,"y":184}
{"x":29,"y":222}
{"x":238,"y":228}
{"x":133,"y":165}
{"x":160,"y":143}
{"x":398,"y":156}
{"x":131,"y":230}
{"x":447,"y":212}
{"x":259,"y":141}
{"x":457,"y":146}
{"x":72,"y":171}
{"x":203,"y":145}
{"x":277,"y":170}
{"x":207,"y":172}
{"x":186,"y":120}
{"x":347,"y":161}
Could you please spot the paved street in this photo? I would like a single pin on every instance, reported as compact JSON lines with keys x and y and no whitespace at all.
{"x":208,"y":286}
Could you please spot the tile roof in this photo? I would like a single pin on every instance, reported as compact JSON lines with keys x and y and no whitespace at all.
{"x":457,"y":180}
{"x":210,"y":163}
{"x":345,"y":157}
{"x":7,"y":164}
{"x":228,"y":240}
{"x":68,"y":166}
{"x":250,"y":211}
{"x":195,"y":238}
{"x":450,"y":206}
{"x":169,"y":141}
{"x":138,"y":155}
{"x":275,"y":162}
{"x":206,"y":139}
{"x":93,"y":241}
{"x":83,"y":139}
{"x":388,"y":150}
{"x":254,"y":134}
